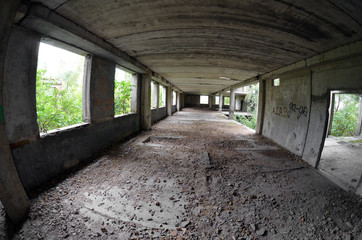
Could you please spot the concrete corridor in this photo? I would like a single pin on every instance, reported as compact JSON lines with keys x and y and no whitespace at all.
{"x":195,"y":175}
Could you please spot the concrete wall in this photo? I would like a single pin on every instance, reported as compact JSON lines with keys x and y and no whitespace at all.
{"x":296,"y":112}
{"x":41,"y":157}
{"x":173,"y":108}
{"x":158,"y":114}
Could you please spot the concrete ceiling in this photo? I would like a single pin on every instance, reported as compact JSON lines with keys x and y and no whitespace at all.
{"x":194,"y":43}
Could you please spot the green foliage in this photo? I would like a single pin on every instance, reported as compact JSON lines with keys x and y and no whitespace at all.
{"x":253,"y":97}
{"x":57,"y":108}
{"x":247,"y":121}
{"x":161,"y":96}
{"x":345,"y":115}
{"x":226,"y":101}
{"x":122,"y":97}
{"x":252,"y":100}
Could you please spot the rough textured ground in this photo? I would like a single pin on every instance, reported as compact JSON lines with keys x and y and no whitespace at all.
{"x":195,"y":175}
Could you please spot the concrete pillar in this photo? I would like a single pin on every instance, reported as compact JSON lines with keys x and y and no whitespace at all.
{"x":261,"y":108}
{"x":221,"y":99}
{"x":232,"y":103}
{"x":210,"y":101}
{"x":12,"y":194}
{"x":169,"y":100}
{"x":134,"y":93}
{"x":146,"y":102}
{"x":98,"y":102}
{"x":359,"y":121}
{"x":331,"y":113}
{"x":178,"y":101}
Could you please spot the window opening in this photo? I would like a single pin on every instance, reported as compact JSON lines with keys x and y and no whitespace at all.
{"x":217,"y":100}
{"x":154,"y":97}
{"x":59,"y":88}
{"x":204,"y":99}
{"x":173,"y":98}
{"x":226,"y":101}
{"x":122,"y":92}
{"x":276,"y":82}
{"x":162,"y":96}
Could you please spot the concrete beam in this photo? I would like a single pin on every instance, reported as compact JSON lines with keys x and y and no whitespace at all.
{"x":232,"y":103}
{"x":261,"y":107}
{"x":43,"y":20}
{"x":12,"y":194}
{"x":146,"y":101}
{"x":169,"y":100}
{"x":221,"y":99}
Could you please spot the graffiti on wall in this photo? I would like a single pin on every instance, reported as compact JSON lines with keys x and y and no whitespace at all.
{"x":301,"y":110}
{"x":293,"y":108}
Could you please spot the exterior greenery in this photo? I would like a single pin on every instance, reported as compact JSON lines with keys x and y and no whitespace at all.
{"x":58,"y":101}
{"x":252,"y":103}
{"x":122,"y":97}
{"x":345,"y":117}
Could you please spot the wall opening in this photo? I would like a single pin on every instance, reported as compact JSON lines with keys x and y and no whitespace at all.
{"x":174,"y":98}
{"x":162,"y":96}
{"x":246,"y":105}
{"x":204,"y":99}
{"x":123,"y":88}
{"x":217,"y":100}
{"x":226,"y":101}
{"x":59,"y":88}
{"x":341,"y":156}
{"x":154,"y":95}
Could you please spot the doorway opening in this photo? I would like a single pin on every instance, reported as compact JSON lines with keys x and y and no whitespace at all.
{"x":341,"y":159}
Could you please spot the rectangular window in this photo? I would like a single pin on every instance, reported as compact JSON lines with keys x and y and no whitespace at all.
{"x":122,"y":92}
{"x":226,"y":101}
{"x":162,"y":96}
{"x":154,"y":95}
{"x":59,"y":88}
{"x":204,"y":99}
{"x":276,"y":82}
{"x":174,"y":98}
{"x":217,"y":100}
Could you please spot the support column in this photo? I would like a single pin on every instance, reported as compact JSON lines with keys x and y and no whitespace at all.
{"x":169,"y":100}
{"x":210,"y":101}
{"x":178,"y":101}
{"x":359,"y":121}
{"x":12,"y":194}
{"x":331,"y":113}
{"x":221,"y":98}
{"x":261,"y":108}
{"x":146,"y":102}
{"x":232,"y":103}
{"x":134,"y":93}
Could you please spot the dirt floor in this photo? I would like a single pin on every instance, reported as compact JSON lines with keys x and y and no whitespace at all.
{"x":195,"y":175}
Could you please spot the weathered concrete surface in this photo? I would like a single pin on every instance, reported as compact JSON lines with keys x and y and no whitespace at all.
{"x":169,"y":100}
{"x":287,"y":109}
{"x":19,"y":82}
{"x":232,"y":104}
{"x":163,"y":190}
{"x":100,"y":79}
{"x":41,"y":161}
{"x":146,"y":102}
{"x":193,"y":44}
{"x":12,"y":194}
{"x":341,"y":161}
{"x":158,"y":114}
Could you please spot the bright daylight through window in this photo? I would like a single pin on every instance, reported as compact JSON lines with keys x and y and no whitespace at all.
{"x":204,"y":99}
{"x":59,"y":86}
{"x":162,"y":96}
{"x":122,"y":92}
